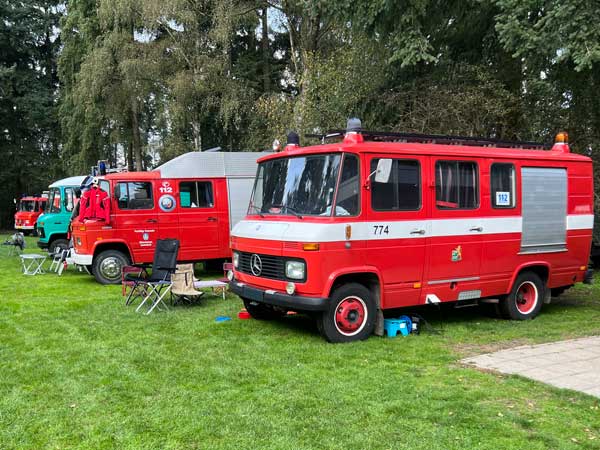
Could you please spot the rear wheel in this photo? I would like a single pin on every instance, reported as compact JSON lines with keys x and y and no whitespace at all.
{"x":108,"y":265}
{"x":58,"y":245}
{"x":525,"y":299}
{"x":350,"y":315}
{"x":260,"y":311}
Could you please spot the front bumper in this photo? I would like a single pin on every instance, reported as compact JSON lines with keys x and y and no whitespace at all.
{"x":42,"y":245}
{"x":24,"y":227}
{"x":271,"y":297}
{"x":81,"y":260}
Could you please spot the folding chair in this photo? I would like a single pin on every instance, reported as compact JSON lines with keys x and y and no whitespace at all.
{"x":182,"y":289}
{"x":129,"y":276}
{"x":158,"y":284}
{"x":16,"y":244}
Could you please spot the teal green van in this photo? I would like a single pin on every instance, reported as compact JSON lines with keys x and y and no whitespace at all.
{"x":53,"y":225}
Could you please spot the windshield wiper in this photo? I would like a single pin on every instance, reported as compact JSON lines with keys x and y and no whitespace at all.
{"x":294,"y":212}
{"x":257,"y":210}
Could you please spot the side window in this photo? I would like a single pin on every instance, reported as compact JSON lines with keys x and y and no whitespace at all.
{"x":196,"y":194}
{"x":403,"y":190}
{"x":69,"y":199}
{"x":105,"y":186}
{"x":456,"y":185}
{"x":348,"y":196}
{"x":134,"y":195}
{"x":503,"y":185}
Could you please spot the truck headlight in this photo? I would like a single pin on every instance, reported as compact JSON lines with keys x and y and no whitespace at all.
{"x":236,"y":259}
{"x":295,"y":270}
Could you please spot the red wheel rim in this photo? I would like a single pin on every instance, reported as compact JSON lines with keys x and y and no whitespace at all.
{"x":526,"y":297}
{"x":351,"y":316}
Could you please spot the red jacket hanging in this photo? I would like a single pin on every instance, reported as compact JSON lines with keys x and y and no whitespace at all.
{"x":94,"y":204}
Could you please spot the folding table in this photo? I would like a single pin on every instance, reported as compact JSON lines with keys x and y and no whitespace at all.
{"x":32,"y":263}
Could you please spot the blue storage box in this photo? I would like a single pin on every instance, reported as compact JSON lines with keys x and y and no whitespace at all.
{"x":402,"y":324}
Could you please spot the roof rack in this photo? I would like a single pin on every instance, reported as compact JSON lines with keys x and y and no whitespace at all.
{"x":385,"y":136}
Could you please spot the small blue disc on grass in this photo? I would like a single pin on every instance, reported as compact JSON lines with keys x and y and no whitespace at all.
{"x":222,"y":318}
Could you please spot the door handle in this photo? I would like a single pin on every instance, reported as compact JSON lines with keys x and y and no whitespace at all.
{"x":479,"y":229}
{"x":421,"y":231}
{"x":152,"y":221}
{"x":212,"y":219}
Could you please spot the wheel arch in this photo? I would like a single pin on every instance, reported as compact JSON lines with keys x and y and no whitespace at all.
{"x":120,"y":246}
{"x":365,"y":275}
{"x":540,"y":268}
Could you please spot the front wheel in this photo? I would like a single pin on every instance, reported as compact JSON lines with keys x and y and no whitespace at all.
{"x":260,"y":311}
{"x":350,"y":315}
{"x":108,"y":265}
{"x":57,"y":246}
{"x":525,"y":298}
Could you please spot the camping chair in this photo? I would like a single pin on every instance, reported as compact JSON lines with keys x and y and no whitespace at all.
{"x":129,"y":287}
{"x":59,"y":260}
{"x":182,"y":289}
{"x":158,"y":284}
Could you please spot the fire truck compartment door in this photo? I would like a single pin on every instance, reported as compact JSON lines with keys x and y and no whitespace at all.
{"x":200,"y":217}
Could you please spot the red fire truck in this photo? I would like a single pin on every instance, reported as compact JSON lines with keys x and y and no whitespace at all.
{"x":348,"y":230}
{"x":28,"y":211}
{"x":195,"y":198}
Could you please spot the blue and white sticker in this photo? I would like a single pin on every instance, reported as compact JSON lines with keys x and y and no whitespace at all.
{"x":166,"y":202}
{"x":502,"y":198}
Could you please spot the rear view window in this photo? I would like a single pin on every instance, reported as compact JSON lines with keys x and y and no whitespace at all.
{"x":196,"y":194}
{"x":456,"y":185}
{"x":403,"y":190}
{"x":134,"y":195}
{"x":502,"y":185}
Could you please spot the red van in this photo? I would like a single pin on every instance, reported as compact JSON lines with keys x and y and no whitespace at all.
{"x":28,"y":211}
{"x":379,"y":221}
{"x":196,"y":198}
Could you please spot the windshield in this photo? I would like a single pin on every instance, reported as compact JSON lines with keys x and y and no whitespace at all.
{"x":53,"y":205}
{"x":27,"y":206}
{"x":297,"y":186}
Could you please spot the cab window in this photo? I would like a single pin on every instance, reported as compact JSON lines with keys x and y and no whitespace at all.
{"x":402,"y":192}
{"x":134,"y":195}
{"x":456,"y":185}
{"x":348,"y":196}
{"x":196,"y":194}
{"x":502,"y":185}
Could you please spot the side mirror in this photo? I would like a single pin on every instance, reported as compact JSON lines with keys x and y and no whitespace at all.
{"x":384,"y":168}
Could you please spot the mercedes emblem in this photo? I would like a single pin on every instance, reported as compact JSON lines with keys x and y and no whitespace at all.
{"x":256,"y":265}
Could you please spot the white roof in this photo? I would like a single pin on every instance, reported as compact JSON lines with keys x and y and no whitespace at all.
{"x":71,"y":181}
{"x":211,"y":164}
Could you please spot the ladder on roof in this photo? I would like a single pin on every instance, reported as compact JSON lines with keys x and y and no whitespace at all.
{"x":386,"y":136}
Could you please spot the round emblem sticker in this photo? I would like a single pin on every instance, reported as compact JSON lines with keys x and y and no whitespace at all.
{"x":166,"y":203}
{"x":145,"y":236}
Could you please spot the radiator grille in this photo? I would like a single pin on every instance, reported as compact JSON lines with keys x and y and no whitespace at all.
{"x":272,"y":266}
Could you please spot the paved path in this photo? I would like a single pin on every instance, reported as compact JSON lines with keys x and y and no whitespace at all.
{"x":573,"y":364}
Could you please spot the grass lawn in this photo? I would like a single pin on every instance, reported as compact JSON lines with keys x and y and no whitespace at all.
{"x":80,"y":370}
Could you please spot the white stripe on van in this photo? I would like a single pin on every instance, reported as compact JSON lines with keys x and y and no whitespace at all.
{"x":300,"y":231}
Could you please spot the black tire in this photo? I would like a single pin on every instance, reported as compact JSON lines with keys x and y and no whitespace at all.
{"x":525,"y":299}
{"x":350,"y":316}
{"x":58,"y":244}
{"x":107,"y":266}
{"x":260,"y":311}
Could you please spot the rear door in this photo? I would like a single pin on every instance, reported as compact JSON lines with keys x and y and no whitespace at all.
{"x":198,"y":219}
{"x":397,"y":228}
{"x":136,"y":218}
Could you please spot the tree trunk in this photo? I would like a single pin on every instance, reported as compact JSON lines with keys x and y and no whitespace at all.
{"x":129,"y":157}
{"x":135,"y":135}
{"x":265,"y":51}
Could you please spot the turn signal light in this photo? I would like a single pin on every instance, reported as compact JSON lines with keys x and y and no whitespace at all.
{"x":310,"y":246}
{"x":562,"y":138}
{"x":82,"y":228}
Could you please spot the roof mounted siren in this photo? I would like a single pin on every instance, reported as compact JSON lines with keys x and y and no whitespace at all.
{"x":353,"y":131}
{"x":293,"y":141}
{"x":561,"y":143}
